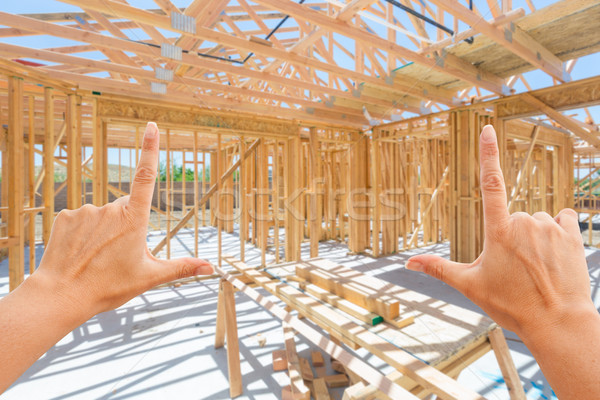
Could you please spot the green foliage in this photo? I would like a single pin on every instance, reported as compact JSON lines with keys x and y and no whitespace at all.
{"x":584,"y":185}
{"x":59,"y":176}
{"x":177,"y":173}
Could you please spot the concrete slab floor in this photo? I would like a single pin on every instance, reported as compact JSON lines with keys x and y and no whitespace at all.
{"x":160,"y":344}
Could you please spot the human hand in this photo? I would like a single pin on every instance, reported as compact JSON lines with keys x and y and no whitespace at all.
{"x":97,"y":257}
{"x":532,"y":273}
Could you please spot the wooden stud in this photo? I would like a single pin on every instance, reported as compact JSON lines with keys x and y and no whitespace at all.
{"x":74,"y":154}
{"x":31,"y":183}
{"x":49,"y":147}
{"x":15,"y":230}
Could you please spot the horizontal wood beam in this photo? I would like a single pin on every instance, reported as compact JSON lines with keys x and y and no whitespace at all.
{"x":562,"y":119}
{"x":203,"y":101}
{"x":575,"y":94}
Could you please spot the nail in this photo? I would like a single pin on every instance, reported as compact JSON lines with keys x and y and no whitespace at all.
{"x":414,"y":265}
{"x":488,"y":134}
{"x":151,"y":130}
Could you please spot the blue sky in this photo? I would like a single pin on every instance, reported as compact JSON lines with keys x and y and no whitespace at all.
{"x":585,"y":67}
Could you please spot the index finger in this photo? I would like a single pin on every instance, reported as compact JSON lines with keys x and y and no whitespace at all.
{"x":493,"y":192}
{"x":143,"y":183}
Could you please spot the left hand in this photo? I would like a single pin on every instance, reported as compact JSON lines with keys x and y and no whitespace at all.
{"x":97,"y":256}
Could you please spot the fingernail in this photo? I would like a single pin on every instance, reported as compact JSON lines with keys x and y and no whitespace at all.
{"x":488,"y":134}
{"x":151,"y":130}
{"x":205,"y":269}
{"x":414,"y":265}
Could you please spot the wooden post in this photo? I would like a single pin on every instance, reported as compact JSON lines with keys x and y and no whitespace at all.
{"x":358,"y":213}
{"x":5,"y":177}
{"x":242,"y":196}
{"x":313,"y":214}
{"x":214,"y":178}
{"x":466,"y":212}
{"x":220,"y":326}
{"x":376,"y":192}
{"x":203,"y":186}
{"x":275,"y":194}
{"x":168,"y":190}
{"x":74,"y":154}
{"x":229,"y":194}
{"x":195,"y":194}
{"x":48,"y":216}
{"x":16,"y":266}
{"x":293,"y":225}
{"x":231,"y":333}
{"x":262,"y":210}
{"x":100,"y":150}
{"x":217,"y":203}
{"x":31,"y":182}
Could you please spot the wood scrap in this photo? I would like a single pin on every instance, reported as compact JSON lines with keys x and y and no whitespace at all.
{"x":317,"y":358}
{"x":321,"y":391}
{"x":306,"y":370}
{"x":279,"y":360}
{"x":336,"y":381}
{"x":338,"y":367}
{"x":299,"y":389}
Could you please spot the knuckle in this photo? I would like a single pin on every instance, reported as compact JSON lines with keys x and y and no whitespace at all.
{"x":145,"y":175}
{"x":568,"y":212}
{"x":64,"y":216}
{"x":88,"y":208}
{"x":492,"y":182}
{"x":184,"y":270}
{"x":435,"y":270}
{"x":521,"y":216}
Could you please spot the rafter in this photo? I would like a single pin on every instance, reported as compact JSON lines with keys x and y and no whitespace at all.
{"x":449,"y":64}
{"x":406,"y":86}
{"x":188,"y":59}
{"x":187,"y":82}
{"x":512,"y":38}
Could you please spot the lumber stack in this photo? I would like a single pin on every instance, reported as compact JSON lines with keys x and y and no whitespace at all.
{"x":353,"y":288}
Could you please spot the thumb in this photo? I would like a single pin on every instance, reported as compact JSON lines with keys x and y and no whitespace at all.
{"x":179,"y":268}
{"x":454,"y":274}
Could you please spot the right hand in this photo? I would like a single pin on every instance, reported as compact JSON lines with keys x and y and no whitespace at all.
{"x":532,"y":272}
